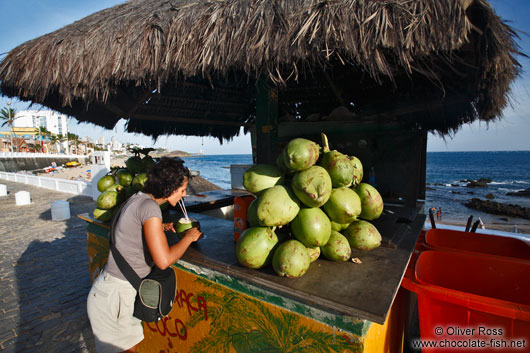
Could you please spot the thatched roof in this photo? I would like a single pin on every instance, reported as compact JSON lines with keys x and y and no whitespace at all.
{"x":168,"y":65}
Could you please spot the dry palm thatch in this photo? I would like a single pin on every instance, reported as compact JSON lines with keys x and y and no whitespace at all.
{"x":190,"y":67}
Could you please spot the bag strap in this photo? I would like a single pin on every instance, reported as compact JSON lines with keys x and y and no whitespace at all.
{"x":123,"y":265}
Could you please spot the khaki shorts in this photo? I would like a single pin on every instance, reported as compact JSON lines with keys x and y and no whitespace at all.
{"x":110,"y":307}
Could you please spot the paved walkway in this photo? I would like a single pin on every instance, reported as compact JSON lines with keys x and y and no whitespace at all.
{"x":44,"y":278}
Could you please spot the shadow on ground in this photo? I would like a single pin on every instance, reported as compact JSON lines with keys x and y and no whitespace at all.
{"x":53,"y":283}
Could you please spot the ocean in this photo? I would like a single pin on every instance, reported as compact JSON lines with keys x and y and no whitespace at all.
{"x":445,"y":178}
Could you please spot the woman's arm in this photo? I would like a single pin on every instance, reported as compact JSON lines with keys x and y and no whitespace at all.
{"x":164,"y":255}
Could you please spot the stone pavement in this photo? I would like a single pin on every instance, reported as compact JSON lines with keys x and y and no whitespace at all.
{"x":44,"y":277}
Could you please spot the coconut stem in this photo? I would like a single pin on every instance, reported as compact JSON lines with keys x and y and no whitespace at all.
{"x":325,"y":143}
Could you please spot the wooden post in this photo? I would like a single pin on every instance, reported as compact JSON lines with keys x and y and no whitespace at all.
{"x":266,"y":122}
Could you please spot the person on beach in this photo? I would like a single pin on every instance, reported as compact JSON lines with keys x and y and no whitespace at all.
{"x":111,"y":299}
{"x":439,"y":214}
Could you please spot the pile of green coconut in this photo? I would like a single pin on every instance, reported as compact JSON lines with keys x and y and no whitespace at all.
{"x":312,"y":203}
{"x":121,"y":183}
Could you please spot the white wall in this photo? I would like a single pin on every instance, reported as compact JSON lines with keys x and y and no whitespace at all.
{"x":62,"y":185}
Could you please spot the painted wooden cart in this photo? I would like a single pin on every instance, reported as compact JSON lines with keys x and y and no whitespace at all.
{"x":335,"y":307}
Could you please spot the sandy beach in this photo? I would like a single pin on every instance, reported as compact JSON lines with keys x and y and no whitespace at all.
{"x":81,"y":172}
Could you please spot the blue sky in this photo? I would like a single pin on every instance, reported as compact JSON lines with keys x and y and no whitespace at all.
{"x":28,"y":19}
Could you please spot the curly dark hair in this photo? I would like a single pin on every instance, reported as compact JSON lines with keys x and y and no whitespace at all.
{"x":166,"y":176}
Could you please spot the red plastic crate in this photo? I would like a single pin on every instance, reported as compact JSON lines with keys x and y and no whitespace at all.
{"x":468,"y":297}
{"x":486,"y":244}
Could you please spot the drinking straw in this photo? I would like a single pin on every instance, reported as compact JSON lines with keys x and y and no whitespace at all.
{"x":183,"y":208}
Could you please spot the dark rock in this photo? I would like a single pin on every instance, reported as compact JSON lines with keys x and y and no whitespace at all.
{"x":439,"y":184}
{"x":499,"y":208}
{"x":429,"y":188}
{"x":489,"y":196}
{"x":523,"y":193}
{"x":471,"y":192}
{"x":484,"y":180}
{"x":477,"y":184}
{"x":455,"y":184}
{"x":456,"y":192}
{"x":505,"y":219}
{"x":198,"y":184}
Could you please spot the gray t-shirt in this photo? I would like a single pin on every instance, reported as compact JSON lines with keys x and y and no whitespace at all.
{"x":129,"y":234}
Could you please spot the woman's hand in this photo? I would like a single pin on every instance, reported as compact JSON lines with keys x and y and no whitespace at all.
{"x":164,"y":255}
{"x":193,"y":234}
{"x":168,"y":227}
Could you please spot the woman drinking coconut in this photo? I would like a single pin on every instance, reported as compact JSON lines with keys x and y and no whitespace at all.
{"x":110,"y":302}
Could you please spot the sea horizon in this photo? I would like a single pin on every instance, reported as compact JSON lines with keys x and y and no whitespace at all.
{"x":198,"y":154}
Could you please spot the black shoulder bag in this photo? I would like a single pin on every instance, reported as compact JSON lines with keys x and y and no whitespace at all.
{"x":155,"y":292}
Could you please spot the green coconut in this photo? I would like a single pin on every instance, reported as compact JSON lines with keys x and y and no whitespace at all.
{"x":115,"y":187}
{"x":254,"y":247}
{"x":339,"y":226}
{"x":139,"y":181}
{"x":104,"y":182}
{"x":314,"y":253}
{"x":291,"y":259}
{"x":124,"y":177}
{"x":262,"y":176}
{"x":337,"y":248}
{"x":252,"y":215}
{"x":339,"y":166}
{"x":300,"y":154}
{"x":358,"y":171}
{"x":276,"y":206}
{"x":134,"y":165}
{"x":343,"y":206}
{"x":148,"y":162}
{"x":107,"y":200}
{"x":311,"y":227}
{"x":103,"y":215}
{"x":363,"y":235}
{"x":371,"y":201}
{"x":183,"y":224}
{"x":312,"y":186}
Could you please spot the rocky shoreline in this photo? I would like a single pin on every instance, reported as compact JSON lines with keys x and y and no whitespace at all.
{"x":521,"y":193}
{"x":485,"y":195}
{"x":499,"y":208}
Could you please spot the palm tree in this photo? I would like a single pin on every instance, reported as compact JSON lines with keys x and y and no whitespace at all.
{"x":53,"y":141}
{"x":260,"y":329}
{"x":8,"y":114}
{"x":75,"y":139}
{"x":43,"y":133}
{"x":60,"y":138}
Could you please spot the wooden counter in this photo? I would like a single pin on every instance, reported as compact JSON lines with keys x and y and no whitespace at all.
{"x":339,"y":307}
{"x":364,"y":291}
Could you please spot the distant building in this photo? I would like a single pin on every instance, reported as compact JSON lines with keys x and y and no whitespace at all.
{"x":54,"y":122}
{"x":102,"y":141}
